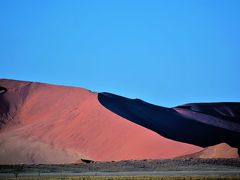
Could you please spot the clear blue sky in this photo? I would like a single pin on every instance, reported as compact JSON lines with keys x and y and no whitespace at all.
{"x":164,"y":52}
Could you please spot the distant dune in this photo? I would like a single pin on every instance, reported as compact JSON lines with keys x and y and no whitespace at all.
{"x":42,"y":123}
{"x":222,"y":150}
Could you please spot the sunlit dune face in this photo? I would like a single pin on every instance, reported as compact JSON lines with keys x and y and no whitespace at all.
{"x":58,"y":124}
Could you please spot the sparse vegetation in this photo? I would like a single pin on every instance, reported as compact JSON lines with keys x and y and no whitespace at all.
{"x":129,"y":178}
{"x":127,"y":166}
{"x":17,"y":169}
{"x":189,"y":169}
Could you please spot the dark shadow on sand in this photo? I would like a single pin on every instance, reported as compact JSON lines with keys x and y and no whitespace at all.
{"x":3,"y":90}
{"x":170,"y":123}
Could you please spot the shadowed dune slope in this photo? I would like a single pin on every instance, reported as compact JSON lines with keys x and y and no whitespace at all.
{"x":42,"y":123}
{"x":228,"y":111}
{"x":201,"y":124}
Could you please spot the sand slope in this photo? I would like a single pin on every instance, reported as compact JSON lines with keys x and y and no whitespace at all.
{"x":42,"y":123}
{"x":222,"y":150}
{"x":201,"y":124}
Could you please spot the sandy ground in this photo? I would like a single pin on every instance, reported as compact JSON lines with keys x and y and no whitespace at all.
{"x":171,"y":167}
{"x":134,"y":173}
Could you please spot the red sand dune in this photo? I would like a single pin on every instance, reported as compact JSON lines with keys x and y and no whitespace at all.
{"x":47,"y":120}
{"x":201,"y":124}
{"x":42,"y":123}
{"x":222,"y":150}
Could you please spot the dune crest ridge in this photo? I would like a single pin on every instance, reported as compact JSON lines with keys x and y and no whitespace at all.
{"x":38,"y":120}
